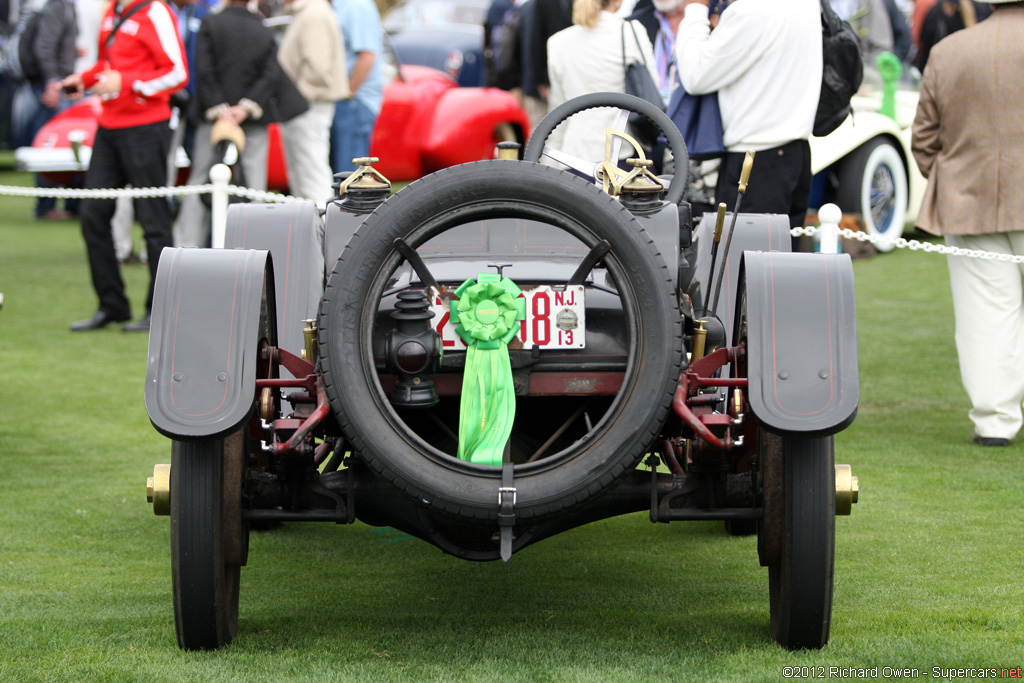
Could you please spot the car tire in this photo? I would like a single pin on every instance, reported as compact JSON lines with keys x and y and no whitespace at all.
{"x":802,"y":513}
{"x":209,"y":539}
{"x":464,"y":194}
{"x":873,"y":184}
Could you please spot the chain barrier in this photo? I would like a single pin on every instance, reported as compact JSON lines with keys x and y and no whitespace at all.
{"x":146,"y":192}
{"x":913,"y":245}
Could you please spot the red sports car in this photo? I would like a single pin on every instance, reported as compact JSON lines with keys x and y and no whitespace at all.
{"x":426,"y":123}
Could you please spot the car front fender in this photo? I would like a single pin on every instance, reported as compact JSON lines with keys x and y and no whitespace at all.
{"x":801,"y":333}
{"x":211,"y":308}
{"x":851,"y":134}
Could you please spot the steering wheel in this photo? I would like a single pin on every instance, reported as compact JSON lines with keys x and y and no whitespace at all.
{"x":628,"y":104}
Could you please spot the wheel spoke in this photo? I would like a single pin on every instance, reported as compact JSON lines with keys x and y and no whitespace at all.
{"x":883,"y":197}
{"x":588,"y":263}
{"x":561,"y":430}
{"x":413,"y":257}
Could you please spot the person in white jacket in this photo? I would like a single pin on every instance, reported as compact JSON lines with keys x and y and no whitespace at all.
{"x":764,"y":60}
{"x":586,"y":58}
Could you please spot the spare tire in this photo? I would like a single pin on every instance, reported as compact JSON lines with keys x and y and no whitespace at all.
{"x":476,"y":192}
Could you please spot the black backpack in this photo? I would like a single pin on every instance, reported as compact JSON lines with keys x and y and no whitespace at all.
{"x":17,"y":58}
{"x":842,"y":71}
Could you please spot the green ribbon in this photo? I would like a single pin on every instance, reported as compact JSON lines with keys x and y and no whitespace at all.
{"x":889,"y":68}
{"x":487,"y":315}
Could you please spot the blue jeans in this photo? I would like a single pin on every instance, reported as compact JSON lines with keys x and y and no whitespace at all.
{"x":27,"y":117}
{"x":350,"y":134}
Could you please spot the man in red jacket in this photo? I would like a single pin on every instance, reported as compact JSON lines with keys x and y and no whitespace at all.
{"x":141,"y":62}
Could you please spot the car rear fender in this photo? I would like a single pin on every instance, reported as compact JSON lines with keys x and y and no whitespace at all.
{"x":293,"y":233}
{"x":463,"y":126}
{"x":801,"y":331}
{"x":211,"y":307}
{"x":751,"y":232}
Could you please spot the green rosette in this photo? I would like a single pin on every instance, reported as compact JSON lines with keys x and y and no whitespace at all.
{"x":487,"y":317}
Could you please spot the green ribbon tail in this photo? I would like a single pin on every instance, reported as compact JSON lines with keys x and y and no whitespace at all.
{"x":488,"y":405}
{"x":487,"y":315}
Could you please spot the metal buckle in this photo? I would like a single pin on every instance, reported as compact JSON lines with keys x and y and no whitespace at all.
{"x":506,"y":489}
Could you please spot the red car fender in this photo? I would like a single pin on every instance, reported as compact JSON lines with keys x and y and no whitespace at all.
{"x":405,"y":120}
{"x":277,"y":174}
{"x":467,"y":123}
{"x":81,"y":116}
{"x":426,"y":123}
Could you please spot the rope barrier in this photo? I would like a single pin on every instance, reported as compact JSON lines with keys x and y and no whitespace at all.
{"x":146,"y":192}
{"x":274,"y":197}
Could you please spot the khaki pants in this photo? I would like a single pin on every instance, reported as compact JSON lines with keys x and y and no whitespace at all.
{"x":988,"y":302}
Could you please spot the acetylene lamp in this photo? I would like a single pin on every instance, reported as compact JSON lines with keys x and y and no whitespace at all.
{"x":412,"y":350}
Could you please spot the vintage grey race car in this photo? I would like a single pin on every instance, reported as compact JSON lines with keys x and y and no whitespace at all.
{"x":496,"y":353}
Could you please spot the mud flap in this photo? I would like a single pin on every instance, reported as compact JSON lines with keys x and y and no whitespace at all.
{"x":210,"y":309}
{"x":798,"y":314}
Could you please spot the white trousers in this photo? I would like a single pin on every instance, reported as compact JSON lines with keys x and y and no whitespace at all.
{"x":121,"y":225}
{"x":192,"y":227}
{"x":307,"y":149}
{"x":988,"y":302}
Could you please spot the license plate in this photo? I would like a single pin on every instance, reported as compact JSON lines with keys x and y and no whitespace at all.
{"x":555,"y":319}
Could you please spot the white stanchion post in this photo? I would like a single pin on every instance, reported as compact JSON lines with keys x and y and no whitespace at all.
{"x":829,"y":216}
{"x":220,"y":178}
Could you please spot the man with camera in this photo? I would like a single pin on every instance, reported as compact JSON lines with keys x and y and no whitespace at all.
{"x":141,"y":63}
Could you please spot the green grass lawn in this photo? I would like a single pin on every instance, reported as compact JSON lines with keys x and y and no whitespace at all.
{"x":929,"y":569}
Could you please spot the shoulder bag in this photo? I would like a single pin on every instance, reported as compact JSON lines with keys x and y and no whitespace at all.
{"x":700,"y":121}
{"x":638,"y":79}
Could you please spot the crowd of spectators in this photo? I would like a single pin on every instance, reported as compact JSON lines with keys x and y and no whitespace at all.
{"x":324,"y":85}
{"x":185,"y":73}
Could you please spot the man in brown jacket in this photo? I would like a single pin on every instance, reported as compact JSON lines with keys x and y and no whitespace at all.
{"x":967,"y":142}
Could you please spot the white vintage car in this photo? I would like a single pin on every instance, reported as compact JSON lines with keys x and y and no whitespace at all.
{"x":866,"y":167}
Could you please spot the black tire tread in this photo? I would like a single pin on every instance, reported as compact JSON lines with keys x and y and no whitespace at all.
{"x":415,"y":491}
{"x":205,"y":612}
{"x":800,"y":586}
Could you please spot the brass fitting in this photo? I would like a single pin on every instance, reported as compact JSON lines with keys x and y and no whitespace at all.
{"x":267,"y":402}
{"x":158,"y":490}
{"x":365,"y":177}
{"x":508,"y":151}
{"x":699,"y":336}
{"x":309,"y":334}
{"x":847,"y":489}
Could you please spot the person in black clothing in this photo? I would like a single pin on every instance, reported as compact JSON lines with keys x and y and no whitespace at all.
{"x":53,"y":57}
{"x":549,"y":17}
{"x":239,"y":79}
{"x":496,"y":43}
{"x":945,"y":17}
